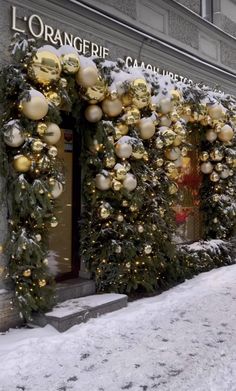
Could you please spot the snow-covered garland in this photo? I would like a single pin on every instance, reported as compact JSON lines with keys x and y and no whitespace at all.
{"x":135,"y":126}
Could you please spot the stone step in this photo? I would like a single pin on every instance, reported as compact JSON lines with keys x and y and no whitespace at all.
{"x":75,"y":311}
{"x":74,"y":288}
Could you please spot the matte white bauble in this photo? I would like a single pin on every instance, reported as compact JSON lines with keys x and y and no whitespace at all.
{"x":226,"y":133}
{"x":165,"y":105}
{"x":123,"y":150}
{"x":93,"y":113}
{"x":52,"y":134}
{"x":36,"y":107}
{"x":103,"y":181}
{"x":206,"y":168}
{"x":211,"y":135}
{"x":130,"y":182}
{"x":146,"y":128}
{"x":216,"y":111}
{"x":112,"y":107}
{"x":57,"y":189}
{"x":13,"y":135}
{"x":87,"y":76}
{"x":165,"y":121}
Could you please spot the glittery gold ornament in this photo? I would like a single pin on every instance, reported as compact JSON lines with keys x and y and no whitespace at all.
{"x":53,"y":222}
{"x":52,"y":151}
{"x":112,"y":108}
{"x":69,"y":59}
{"x":219,"y":167}
{"x":13,"y":135}
{"x":204,"y":156}
{"x":138,"y":151}
{"x":159,"y":143}
{"x":132,"y":116}
{"x":110,"y":161}
{"x":52,"y":134}
{"x":27,"y":273}
{"x":216,"y":155}
{"x":148,"y":249}
{"x":120,"y":172}
{"x":36,"y":107}
{"x":105,"y":212}
{"x":123,"y":128}
{"x":96,"y":93}
{"x":116,"y":185}
{"x":21,"y":163}
{"x":41,"y":128}
{"x":53,"y":97}
{"x":42,"y":283}
{"x":93,"y":113}
{"x":37,"y":145}
{"x":45,"y":66}
{"x":87,"y":76}
{"x":214,"y":177}
{"x":206,"y":167}
{"x":159,"y":162}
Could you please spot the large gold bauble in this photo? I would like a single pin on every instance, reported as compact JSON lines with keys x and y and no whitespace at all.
{"x":141,"y":102}
{"x":52,"y":151}
{"x":21,"y":163}
{"x":69,"y":59}
{"x":13,"y":135}
{"x":123,"y":150}
{"x":103,"y":181}
{"x":138,"y":151}
{"x":139,"y":88}
{"x":93,"y":113}
{"x":211,"y":135}
{"x":130,"y":182}
{"x":36,"y":107}
{"x":216,"y":155}
{"x":27,"y":273}
{"x":42,"y":283}
{"x":226,"y":133}
{"x":165,"y":105}
{"x":87,"y":76}
{"x":206,"y":167}
{"x":52,"y":134}
{"x":146,"y":128}
{"x":112,"y":108}
{"x":56,"y":190}
{"x":173,"y":154}
{"x":214,"y":177}
{"x":132,"y":116}
{"x":168,"y":136}
{"x":96,"y":93}
{"x":204,"y":156}
{"x":54,"y":222}
{"x":37,"y":145}
{"x":41,"y":128}
{"x":53,"y":97}
{"x":45,"y":66}
{"x":216,"y":111}
{"x":123,"y":128}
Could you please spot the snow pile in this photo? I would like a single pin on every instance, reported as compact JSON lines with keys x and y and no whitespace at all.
{"x":184,"y":340}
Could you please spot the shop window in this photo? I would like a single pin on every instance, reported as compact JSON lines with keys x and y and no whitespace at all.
{"x":187,"y":213}
{"x":207,"y":10}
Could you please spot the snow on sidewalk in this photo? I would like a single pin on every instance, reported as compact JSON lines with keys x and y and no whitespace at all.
{"x":181,"y":340}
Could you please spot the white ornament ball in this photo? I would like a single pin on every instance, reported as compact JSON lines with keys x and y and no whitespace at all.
{"x":225,"y":173}
{"x":87,"y":76}
{"x":165,"y":105}
{"x":165,"y":121}
{"x":13,"y":136}
{"x":112,"y":107}
{"x":103,"y":182}
{"x":226,"y":133}
{"x":173,"y":154}
{"x":57,"y":189}
{"x":123,"y":150}
{"x":36,"y":107}
{"x":146,"y":128}
{"x":93,"y":113}
{"x":206,"y":168}
{"x":211,"y":135}
{"x":130,"y":182}
{"x":52,"y":134}
{"x":216,"y":111}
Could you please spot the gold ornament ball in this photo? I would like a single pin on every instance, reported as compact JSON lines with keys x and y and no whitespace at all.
{"x":27,"y":273}
{"x":174,"y":174}
{"x":214,"y":177}
{"x":165,"y":121}
{"x":21,"y":163}
{"x":173,"y":154}
{"x":123,"y":150}
{"x":96,"y":93}
{"x":53,"y":97}
{"x":54,"y":222}
{"x":123,"y":128}
{"x":130,"y":182}
{"x":52,"y":134}
{"x":204,"y":156}
{"x":175,"y":94}
{"x":219,"y":167}
{"x":146,"y":128}
{"x":110,"y":161}
{"x":69,"y":59}
{"x":120,"y":218}
{"x":41,"y":128}
{"x":112,"y":108}
{"x":138,"y":88}
{"x":138,"y":151}
{"x":37,"y":145}
{"x":103,"y":182}
{"x":36,"y":107}
{"x":216,"y":197}
{"x":170,"y":166}
{"x":226,"y":133}
{"x":45,"y":66}
{"x":141,"y":102}
{"x":177,"y":141}
{"x":132,"y":116}
{"x":140,"y":228}
{"x":168,"y":136}
{"x":87,"y":76}
{"x":116,"y":185}
{"x":159,"y":162}
{"x":206,"y":167}
{"x":148,"y":249}
{"x":52,"y":152}
{"x":216,"y":155}
{"x":93,"y":113}
{"x":104,"y":212}
{"x":126,"y":100}
{"x":42,"y":283}
{"x":125,"y":203}
{"x":120,"y":172}
{"x":159,"y":143}
{"x":56,"y":190}
{"x":211,"y":135}
{"x":13,"y":135}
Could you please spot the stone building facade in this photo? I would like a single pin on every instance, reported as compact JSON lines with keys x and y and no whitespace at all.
{"x":164,"y":35}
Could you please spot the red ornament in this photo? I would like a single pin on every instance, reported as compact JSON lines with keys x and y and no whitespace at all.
{"x":181,"y":217}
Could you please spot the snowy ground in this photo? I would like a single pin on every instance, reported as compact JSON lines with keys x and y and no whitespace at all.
{"x":182,"y":340}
